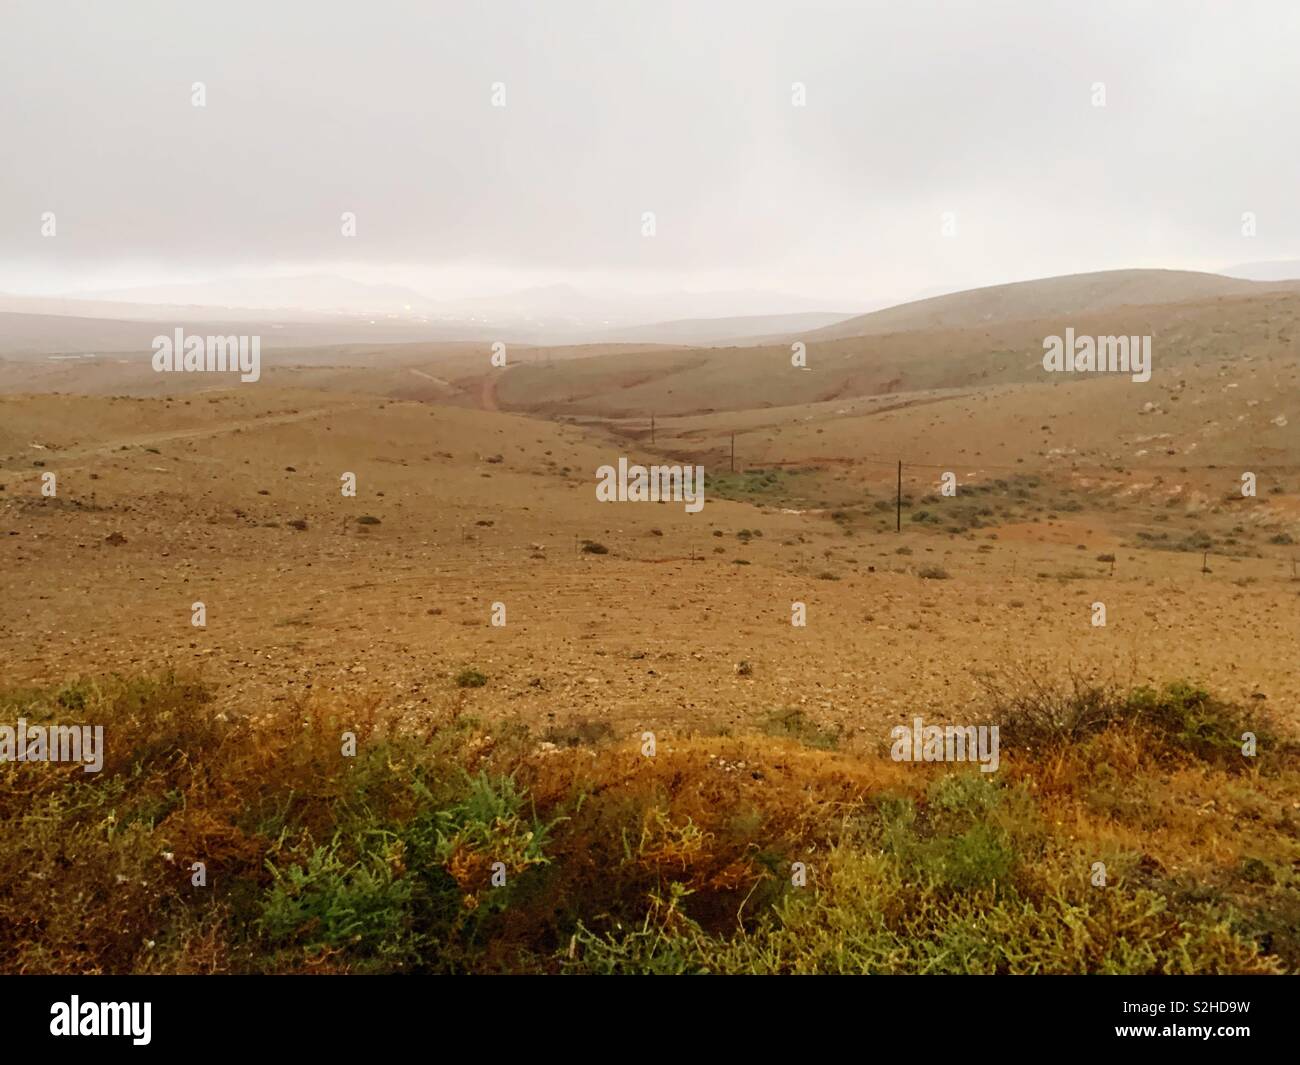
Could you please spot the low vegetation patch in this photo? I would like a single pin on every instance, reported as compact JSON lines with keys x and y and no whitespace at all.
{"x":441,"y":846}
{"x":796,"y":724}
{"x":470,"y":678}
{"x":780,"y":486}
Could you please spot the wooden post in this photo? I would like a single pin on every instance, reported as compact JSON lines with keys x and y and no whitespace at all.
{"x":899,"y":524}
{"x":733,"y":452}
{"x":652,"y":430}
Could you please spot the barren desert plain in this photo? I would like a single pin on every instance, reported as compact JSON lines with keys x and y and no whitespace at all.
{"x":474,"y":576}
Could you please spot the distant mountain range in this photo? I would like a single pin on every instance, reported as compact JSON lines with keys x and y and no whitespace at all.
{"x":551,"y":307}
{"x":322,"y":308}
{"x":319,"y":309}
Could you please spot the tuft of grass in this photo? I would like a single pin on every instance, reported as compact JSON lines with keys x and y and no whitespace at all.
{"x":794,"y":723}
{"x":470,"y":678}
{"x":585,"y":733}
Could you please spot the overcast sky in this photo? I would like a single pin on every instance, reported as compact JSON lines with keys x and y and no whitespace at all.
{"x":615,"y":108}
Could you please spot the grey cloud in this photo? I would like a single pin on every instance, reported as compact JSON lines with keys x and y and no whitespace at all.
{"x":681,"y":108}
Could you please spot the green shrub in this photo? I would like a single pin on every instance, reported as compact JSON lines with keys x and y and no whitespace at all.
{"x":470,"y":678}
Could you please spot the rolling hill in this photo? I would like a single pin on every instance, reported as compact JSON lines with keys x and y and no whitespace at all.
{"x":1045,"y":298}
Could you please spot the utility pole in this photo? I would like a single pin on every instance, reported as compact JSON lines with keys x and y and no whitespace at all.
{"x":899,"y":526}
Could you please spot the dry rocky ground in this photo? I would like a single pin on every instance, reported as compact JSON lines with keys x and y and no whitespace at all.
{"x":231,"y":497}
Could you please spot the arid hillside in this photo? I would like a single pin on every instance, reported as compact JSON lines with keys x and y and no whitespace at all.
{"x":1213,"y":333}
